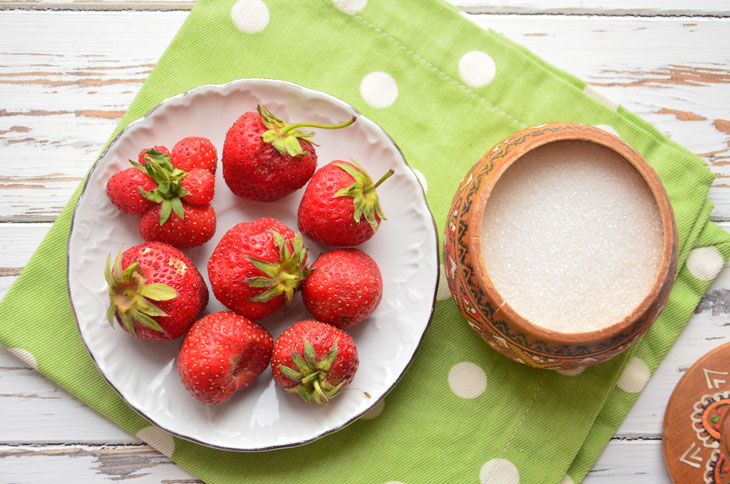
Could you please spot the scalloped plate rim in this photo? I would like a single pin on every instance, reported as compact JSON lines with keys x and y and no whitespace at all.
{"x":200,"y":89}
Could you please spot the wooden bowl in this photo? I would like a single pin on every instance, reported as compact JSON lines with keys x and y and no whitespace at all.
{"x":696,"y":431}
{"x":484,"y":308}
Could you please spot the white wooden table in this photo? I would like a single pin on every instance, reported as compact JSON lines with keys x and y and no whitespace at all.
{"x":69,"y":69}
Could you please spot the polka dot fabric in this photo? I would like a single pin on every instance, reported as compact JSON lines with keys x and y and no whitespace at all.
{"x":378,"y":89}
{"x":446,"y":91}
{"x":250,"y":16}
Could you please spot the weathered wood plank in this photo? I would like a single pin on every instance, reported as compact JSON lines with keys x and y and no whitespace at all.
{"x":569,"y":7}
{"x":5,"y":283}
{"x":631,"y":461}
{"x":94,"y":463}
{"x":596,"y":7}
{"x":681,"y":90}
{"x":37,"y":410}
{"x":89,"y":464}
{"x":62,"y":100}
{"x":17,"y":244}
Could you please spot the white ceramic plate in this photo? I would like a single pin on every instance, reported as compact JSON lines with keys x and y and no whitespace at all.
{"x":262,"y":416}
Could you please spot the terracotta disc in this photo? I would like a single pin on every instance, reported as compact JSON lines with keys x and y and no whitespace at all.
{"x":696,"y":433}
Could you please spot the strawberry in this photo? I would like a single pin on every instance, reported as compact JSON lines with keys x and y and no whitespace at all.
{"x":265,"y":158}
{"x":200,"y":185}
{"x":123,"y":189}
{"x":142,"y":158}
{"x":155,"y":292}
{"x":195,"y":227}
{"x":257,"y":266}
{"x":182,"y":217}
{"x":195,"y":152}
{"x":221,"y":354}
{"x":340,"y":205}
{"x":315,"y":360}
{"x":344,"y":289}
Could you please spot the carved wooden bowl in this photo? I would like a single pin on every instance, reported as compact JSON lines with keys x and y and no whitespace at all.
{"x":696,"y":433}
{"x":484,"y":308}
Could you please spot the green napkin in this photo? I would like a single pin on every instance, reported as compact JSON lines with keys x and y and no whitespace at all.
{"x":446,"y":91}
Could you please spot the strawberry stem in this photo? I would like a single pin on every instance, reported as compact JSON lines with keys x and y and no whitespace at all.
{"x":169,"y":180}
{"x":283,"y":276}
{"x":382,"y":179}
{"x":285,"y":137}
{"x":362,"y":191}
{"x":313,"y":125}
{"x":311,"y":375}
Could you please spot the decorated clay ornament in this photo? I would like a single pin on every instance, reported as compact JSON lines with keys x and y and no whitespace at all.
{"x":487,"y":312}
{"x":696,"y":435}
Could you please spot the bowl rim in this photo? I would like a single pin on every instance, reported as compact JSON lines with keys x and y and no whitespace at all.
{"x":222,"y":86}
{"x":558,"y":132}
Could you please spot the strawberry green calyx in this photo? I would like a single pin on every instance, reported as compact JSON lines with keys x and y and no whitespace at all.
{"x":169,"y":180}
{"x":311,"y":375}
{"x":285,"y":137}
{"x":129,"y":296}
{"x":282,"y":277}
{"x":364,"y":194}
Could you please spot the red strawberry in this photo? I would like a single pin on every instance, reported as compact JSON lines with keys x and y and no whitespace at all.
{"x":173,"y":220}
{"x":265,"y":158}
{"x":200,"y":185}
{"x":142,"y":158}
{"x":344,"y":289}
{"x":123,"y":190}
{"x":257,"y":266}
{"x":314,"y":360}
{"x":221,"y":354}
{"x":155,"y":292}
{"x":195,"y":152}
{"x":196,"y":227}
{"x":340,"y":205}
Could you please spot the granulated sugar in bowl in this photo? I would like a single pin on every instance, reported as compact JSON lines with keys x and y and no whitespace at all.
{"x":561,"y":246}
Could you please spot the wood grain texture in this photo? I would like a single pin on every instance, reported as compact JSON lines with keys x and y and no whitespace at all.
{"x":92,"y":464}
{"x":649,"y":8}
{"x":570,"y":7}
{"x":682,"y":90}
{"x":695,"y":420}
{"x":62,"y":100}
{"x":67,"y":76}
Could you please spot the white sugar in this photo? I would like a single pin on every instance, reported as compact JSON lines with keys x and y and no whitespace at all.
{"x":572,"y":237}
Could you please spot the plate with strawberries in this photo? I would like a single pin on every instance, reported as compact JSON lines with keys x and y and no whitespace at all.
{"x":252,"y":265}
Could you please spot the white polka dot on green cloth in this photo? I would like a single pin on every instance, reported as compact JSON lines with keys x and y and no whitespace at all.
{"x":467,"y":380}
{"x":158,"y":439}
{"x":350,"y":6}
{"x":443,"y":291}
{"x":567,"y":480}
{"x":379,"y":89}
{"x":499,"y":471}
{"x":597,"y":95}
{"x":477,"y":68}
{"x":375,"y":411}
{"x":610,"y":129}
{"x":705,"y":263}
{"x":635,"y":376}
{"x":250,"y":16}
{"x":25,"y":356}
{"x":394,"y":482}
